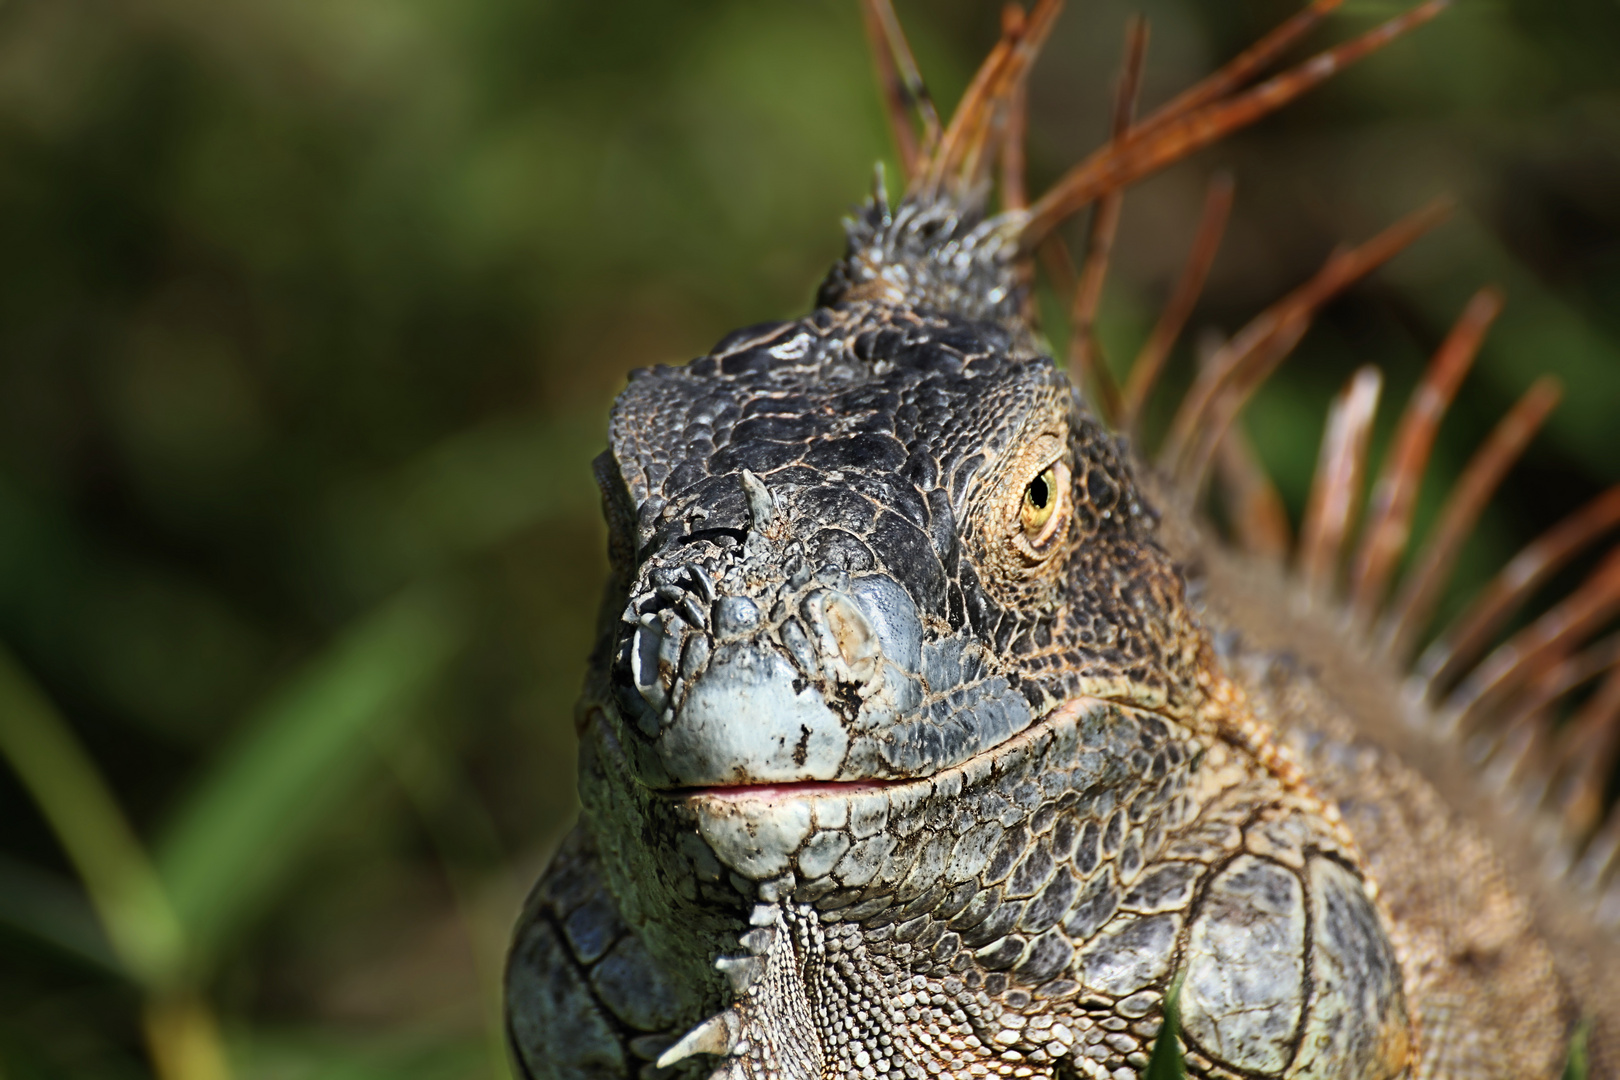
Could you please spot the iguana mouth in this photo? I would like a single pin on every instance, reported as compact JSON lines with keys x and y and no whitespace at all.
{"x":777,"y":793}
{"x":797,"y":789}
{"x":810,"y":789}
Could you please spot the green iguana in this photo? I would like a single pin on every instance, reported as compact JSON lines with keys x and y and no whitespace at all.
{"x":930,"y":732}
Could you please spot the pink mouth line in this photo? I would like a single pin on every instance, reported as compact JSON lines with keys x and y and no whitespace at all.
{"x":736,"y":792}
{"x":810,"y":788}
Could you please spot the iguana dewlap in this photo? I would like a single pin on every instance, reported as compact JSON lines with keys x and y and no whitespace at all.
{"x":929,"y":735}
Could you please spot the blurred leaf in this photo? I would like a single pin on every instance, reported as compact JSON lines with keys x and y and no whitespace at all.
{"x":68,"y":789}
{"x":468,"y":493}
{"x":431,"y":782}
{"x":52,"y":909}
{"x":1539,"y":332}
{"x":152,"y":641}
{"x":267,"y":797}
{"x":293,"y":1055}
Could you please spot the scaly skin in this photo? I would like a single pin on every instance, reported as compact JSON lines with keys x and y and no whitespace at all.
{"x":904,"y":752}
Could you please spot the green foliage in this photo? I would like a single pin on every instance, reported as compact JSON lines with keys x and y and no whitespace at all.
{"x":240,"y":831}
{"x":1166,"y":1062}
{"x":310,"y":318}
{"x":1576,"y":1067}
{"x":126,"y":893}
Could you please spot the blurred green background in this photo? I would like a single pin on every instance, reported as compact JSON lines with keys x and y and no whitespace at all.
{"x":310,"y":315}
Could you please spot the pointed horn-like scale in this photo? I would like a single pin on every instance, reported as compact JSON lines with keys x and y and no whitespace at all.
{"x":1150,"y":361}
{"x":761,"y":504}
{"x":903,"y":87}
{"x":1445,"y":661}
{"x":1331,"y":508}
{"x":1086,"y":366}
{"x":716,"y":1035}
{"x":1226,"y":384}
{"x":1163,"y":142}
{"x":1420,"y":589}
{"x":1394,"y":495}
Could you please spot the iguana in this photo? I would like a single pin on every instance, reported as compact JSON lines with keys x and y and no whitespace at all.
{"x":931,"y":733}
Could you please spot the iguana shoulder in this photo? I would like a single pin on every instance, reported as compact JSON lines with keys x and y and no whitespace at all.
{"x":1503,"y":961}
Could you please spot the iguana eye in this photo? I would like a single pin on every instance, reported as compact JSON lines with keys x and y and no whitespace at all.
{"x":1043,"y":498}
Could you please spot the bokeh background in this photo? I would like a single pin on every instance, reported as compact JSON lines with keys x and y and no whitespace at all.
{"x":310,"y":315}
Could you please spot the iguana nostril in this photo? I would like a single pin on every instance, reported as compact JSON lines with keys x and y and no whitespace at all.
{"x":893,"y":619}
{"x":849,"y":644}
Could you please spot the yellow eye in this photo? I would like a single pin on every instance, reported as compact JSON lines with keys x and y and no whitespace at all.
{"x":1039,"y":510}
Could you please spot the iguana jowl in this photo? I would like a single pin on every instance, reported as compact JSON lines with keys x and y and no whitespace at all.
{"x":928,"y":736}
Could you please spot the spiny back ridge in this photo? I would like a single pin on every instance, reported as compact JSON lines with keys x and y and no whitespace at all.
{"x":933,"y":255}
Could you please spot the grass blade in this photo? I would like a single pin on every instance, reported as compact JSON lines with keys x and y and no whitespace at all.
{"x":1577,"y":1068}
{"x":1166,"y":1062}
{"x":267,"y":798}
{"x":53,"y":910}
{"x":67,"y":787}
{"x":125,"y":891}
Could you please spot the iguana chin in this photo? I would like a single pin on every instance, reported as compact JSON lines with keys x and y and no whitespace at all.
{"x":929,"y":733}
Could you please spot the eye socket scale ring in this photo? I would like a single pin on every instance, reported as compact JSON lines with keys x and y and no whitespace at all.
{"x":1041,"y":510}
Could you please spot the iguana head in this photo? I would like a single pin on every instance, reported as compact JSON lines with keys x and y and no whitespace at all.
{"x":902,"y":735}
{"x":876,"y":542}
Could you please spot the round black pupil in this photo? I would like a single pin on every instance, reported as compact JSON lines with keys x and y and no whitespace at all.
{"x":1038,"y":493}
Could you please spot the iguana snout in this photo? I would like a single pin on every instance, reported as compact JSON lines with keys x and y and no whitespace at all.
{"x":796,"y":682}
{"x":745,"y":665}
